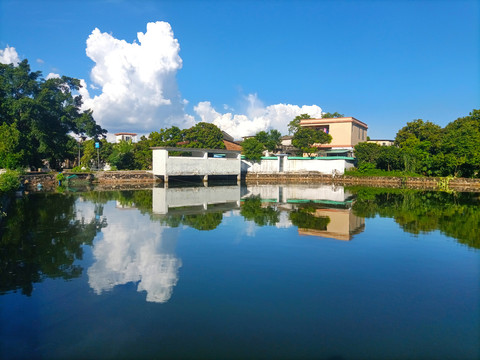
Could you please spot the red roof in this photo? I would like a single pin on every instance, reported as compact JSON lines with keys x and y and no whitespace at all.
{"x":230,"y":145}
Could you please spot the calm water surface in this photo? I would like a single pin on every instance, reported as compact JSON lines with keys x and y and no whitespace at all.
{"x":241,"y":272}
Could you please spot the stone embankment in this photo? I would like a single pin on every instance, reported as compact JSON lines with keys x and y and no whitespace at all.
{"x":107,"y":179}
{"x":140,"y":179}
{"x":460,"y":184}
{"x":125,"y":177}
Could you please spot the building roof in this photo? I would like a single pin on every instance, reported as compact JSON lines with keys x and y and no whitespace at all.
{"x":227,"y":136}
{"x":326,"y":121}
{"x":232,"y":145}
{"x":125,"y":133}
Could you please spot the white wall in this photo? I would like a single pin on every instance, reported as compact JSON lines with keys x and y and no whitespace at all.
{"x":324,"y":166}
{"x":164,"y":165}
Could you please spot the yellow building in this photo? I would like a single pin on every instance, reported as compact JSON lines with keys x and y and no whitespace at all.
{"x":346,"y":132}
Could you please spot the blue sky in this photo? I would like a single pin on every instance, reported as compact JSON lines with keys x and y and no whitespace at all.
{"x":383,"y":62}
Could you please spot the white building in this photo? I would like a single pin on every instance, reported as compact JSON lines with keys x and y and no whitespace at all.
{"x":125,"y":136}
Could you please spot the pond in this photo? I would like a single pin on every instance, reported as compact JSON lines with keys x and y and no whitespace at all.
{"x":277,"y":271}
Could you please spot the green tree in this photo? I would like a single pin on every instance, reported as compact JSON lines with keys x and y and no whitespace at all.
{"x":294,"y":125}
{"x":423,"y":131}
{"x":204,"y":135}
{"x":252,"y":149}
{"x":122,"y":156}
{"x":270,"y":140}
{"x":11,"y":153}
{"x":461,"y":146}
{"x":389,"y":158}
{"x":366,"y":153}
{"x":44,"y":112}
{"x":419,"y":144}
{"x":306,"y":139}
{"x":90,"y":153}
{"x":328,"y":115}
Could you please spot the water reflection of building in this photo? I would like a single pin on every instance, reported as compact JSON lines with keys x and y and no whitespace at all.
{"x":194,"y":199}
{"x":326,"y":201}
{"x":343,"y":224}
{"x":284,"y":194}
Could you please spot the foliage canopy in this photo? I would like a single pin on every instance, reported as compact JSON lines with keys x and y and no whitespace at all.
{"x":37,"y":115}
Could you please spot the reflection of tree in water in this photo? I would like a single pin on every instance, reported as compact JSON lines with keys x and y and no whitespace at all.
{"x":305,"y":218}
{"x":253,"y":210}
{"x":454,"y":214}
{"x":207,"y":221}
{"x":142,"y":200}
{"x":40,"y":238}
{"x":203,"y":221}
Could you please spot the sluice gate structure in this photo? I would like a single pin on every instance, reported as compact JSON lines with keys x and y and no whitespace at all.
{"x":176,"y":162}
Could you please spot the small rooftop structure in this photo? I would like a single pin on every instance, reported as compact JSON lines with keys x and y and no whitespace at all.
{"x":125,"y":136}
{"x":381,"y":142}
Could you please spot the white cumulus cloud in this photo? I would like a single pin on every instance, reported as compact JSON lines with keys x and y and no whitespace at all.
{"x":136,"y":89}
{"x":257,"y":116}
{"x":52,"y":76}
{"x":138,"y":84}
{"x":9,"y":56}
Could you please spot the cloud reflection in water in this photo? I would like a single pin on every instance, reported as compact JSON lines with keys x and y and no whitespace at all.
{"x":135,"y":249}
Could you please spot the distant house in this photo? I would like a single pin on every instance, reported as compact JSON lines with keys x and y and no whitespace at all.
{"x":381,"y":142}
{"x":286,"y":146}
{"x":346,"y":132}
{"x":125,"y":136}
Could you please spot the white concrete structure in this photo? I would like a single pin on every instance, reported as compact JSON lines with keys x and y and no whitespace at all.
{"x":202,"y":162}
{"x":167,"y":199}
{"x":292,"y":164}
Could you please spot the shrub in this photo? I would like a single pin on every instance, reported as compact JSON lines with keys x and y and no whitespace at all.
{"x":9,"y":181}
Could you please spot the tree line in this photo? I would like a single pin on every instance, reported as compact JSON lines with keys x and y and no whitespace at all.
{"x":425,"y":148}
{"x":41,"y":119}
{"x":37,"y":116}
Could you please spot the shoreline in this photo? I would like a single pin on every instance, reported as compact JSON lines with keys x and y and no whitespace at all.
{"x":115,"y":179}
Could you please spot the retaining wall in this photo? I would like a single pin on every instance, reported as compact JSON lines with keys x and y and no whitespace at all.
{"x":409,"y":182}
{"x":117,"y":178}
{"x":125,"y":177}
